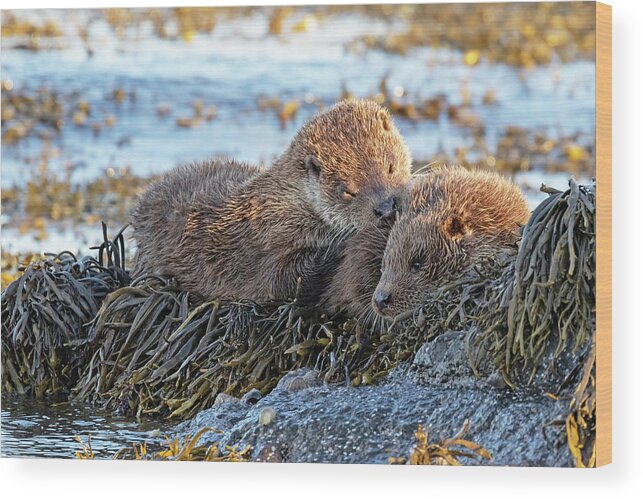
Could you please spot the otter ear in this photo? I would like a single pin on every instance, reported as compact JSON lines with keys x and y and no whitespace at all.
{"x":385,"y":119}
{"x":313,"y":165}
{"x":457,"y":227}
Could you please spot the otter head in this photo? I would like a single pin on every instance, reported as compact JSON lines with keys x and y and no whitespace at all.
{"x":455,"y":218}
{"x":422,"y":252}
{"x":354,"y":162}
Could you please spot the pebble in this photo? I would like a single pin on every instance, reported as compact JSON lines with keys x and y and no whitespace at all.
{"x":267,"y":416}
{"x":252,"y":397}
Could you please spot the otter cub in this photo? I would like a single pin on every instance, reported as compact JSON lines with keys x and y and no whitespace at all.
{"x":162,"y":211}
{"x":452,"y":219}
{"x":276,"y":234}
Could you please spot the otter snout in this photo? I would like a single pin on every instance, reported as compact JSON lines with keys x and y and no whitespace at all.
{"x":381,"y":300}
{"x":387,"y":209}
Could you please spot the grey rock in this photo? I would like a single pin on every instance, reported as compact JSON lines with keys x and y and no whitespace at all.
{"x":252,"y":397}
{"x":224,"y":398}
{"x":299,"y":379}
{"x":271,"y":453}
{"x":443,"y":360}
{"x":267,"y":416}
{"x":369,"y":424}
{"x":496,"y":380}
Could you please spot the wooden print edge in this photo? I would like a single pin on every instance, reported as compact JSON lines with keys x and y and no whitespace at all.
{"x":603,"y":234}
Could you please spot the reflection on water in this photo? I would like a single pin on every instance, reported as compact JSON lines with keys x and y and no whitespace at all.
{"x":237,"y":64}
{"x":32,"y":428}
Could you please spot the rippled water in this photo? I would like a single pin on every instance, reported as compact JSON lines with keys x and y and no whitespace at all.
{"x":236,"y":64}
{"x":33,"y":428}
{"x":232,"y":68}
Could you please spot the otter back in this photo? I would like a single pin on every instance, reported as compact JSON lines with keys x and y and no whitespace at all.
{"x":277,"y":234}
{"x":162,"y":210}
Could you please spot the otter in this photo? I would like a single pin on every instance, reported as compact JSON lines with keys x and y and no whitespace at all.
{"x":451,"y":220}
{"x":163,"y":209}
{"x":277,"y":233}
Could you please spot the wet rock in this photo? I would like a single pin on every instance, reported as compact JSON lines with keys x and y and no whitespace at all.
{"x":252,"y":397}
{"x":369,"y":424}
{"x":267,"y":416}
{"x":224,"y":398}
{"x":272,"y":453}
{"x":225,"y":414}
{"x":299,"y":379}
{"x":443,"y":360}
{"x":496,"y":380}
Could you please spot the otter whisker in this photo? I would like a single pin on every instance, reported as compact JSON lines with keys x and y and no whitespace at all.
{"x":429,"y":166}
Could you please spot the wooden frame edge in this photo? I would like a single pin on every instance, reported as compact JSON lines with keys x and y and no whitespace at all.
{"x":603,"y":234}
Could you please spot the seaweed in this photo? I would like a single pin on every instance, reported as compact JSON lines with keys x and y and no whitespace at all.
{"x":172,"y":450}
{"x":86,"y":450}
{"x":447,"y":452}
{"x":580,"y":423}
{"x":521,"y":35}
{"x":45,"y":313}
{"x":548,"y":32}
{"x":161,"y":350}
{"x":543,"y":308}
{"x":544,"y":303}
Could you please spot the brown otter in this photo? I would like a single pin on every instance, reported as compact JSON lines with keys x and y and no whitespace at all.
{"x":166,"y":204}
{"x":452,"y":218}
{"x":276,"y":234}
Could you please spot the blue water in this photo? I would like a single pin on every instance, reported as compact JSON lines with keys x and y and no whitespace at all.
{"x":236,"y":64}
{"x":42,"y":428}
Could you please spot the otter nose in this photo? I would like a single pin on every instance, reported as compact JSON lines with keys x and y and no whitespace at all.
{"x":382,"y":299}
{"x":387,"y":208}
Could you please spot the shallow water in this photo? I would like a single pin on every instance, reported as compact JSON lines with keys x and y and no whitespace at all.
{"x":233,"y":67}
{"x":34,"y":428}
{"x":236,"y":64}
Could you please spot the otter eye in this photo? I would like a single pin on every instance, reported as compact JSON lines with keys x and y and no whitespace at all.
{"x":344,"y":192}
{"x":391,"y":168}
{"x":415,"y":265}
{"x":348,"y":195}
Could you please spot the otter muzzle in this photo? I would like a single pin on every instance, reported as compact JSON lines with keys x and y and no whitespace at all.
{"x":387,"y":209}
{"x":381,"y":300}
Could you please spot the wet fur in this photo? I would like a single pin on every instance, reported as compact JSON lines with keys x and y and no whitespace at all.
{"x":162,"y":211}
{"x":454,"y":217}
{"x":277,"y":233}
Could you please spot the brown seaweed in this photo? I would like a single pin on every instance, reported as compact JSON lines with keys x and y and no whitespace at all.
{"x":45,"y":313}
{"x":447,"y":452}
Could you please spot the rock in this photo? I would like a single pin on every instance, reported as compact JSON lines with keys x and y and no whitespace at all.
{"x":224,"y":398}
{"x":300,"y":379}
{"x":445,"y":360}
{"x":271,"y":453}
{"x":252,"y":397}
{"x":267,"y":416}
{"x":369,"y":424}
{"x":442,"y":360}
{"x":496,"y":380}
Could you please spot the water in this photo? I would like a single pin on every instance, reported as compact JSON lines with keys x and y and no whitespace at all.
{"x":34,"y":428}
{"x":236,"y":64}
{"x":231,"y":69}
